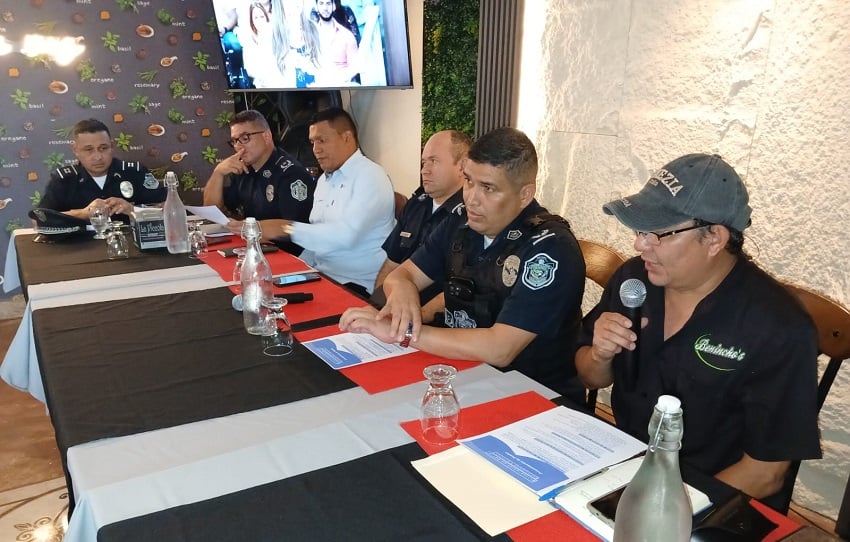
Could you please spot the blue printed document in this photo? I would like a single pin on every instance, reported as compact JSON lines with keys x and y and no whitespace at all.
{"x":347,"y":349}
{"x":551,"y":450}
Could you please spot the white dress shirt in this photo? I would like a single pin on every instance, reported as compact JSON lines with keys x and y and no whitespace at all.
{"x":353,"y":213}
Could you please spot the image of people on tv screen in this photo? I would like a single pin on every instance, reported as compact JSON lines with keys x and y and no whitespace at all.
{"x":291,"y":44}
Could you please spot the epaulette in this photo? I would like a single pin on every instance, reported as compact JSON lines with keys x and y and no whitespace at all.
{"x":130,"y":166}
{"x":66,"y":171}
{"x":458,"y":209}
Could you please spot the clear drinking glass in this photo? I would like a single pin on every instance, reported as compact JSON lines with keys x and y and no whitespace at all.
{"x":117,"y":244}
{"x":198,"y":246}
{"x":99,"y":218}
{"x":440,"y":410}
{"x":277,"y":333}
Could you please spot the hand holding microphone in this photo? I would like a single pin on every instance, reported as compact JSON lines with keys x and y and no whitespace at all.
{"x":632,"y":296}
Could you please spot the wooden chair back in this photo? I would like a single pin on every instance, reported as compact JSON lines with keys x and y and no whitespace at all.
{"x":600,"y":262}
{"x":832,"y":322}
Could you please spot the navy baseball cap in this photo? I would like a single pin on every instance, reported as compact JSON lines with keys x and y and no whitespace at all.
{"x":694,"y":186}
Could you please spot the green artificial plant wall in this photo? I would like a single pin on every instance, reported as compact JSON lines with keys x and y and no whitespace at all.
{"x":450,"y":61}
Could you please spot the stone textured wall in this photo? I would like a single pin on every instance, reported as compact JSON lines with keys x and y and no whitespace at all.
{"x":616,"y":88}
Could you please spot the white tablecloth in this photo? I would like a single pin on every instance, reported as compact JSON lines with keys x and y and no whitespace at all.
{"x":120,"y":478}
{"x":11,"y":279}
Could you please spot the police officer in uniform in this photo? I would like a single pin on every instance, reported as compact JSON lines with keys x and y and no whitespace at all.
{"x":439,"y":197}
{"x":98,"y":178}
{"x":512,"y":275}
{"x":260,"y":180}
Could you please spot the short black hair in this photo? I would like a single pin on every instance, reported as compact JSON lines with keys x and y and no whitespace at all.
{"x":89,"y":126}
{"x":338,"y":118}
{"x":508,"y":149}
{"x":250,"y":116}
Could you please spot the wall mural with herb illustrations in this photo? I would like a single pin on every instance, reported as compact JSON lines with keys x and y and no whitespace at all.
{"x":151,"y":70}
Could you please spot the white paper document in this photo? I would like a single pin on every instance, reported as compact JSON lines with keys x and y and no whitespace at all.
{"x":553,"y":449}
{"x":348,"y":349}
{"x":209,"y":212}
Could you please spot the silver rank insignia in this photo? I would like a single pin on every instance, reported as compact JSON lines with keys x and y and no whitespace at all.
{"x":539,"y":271}
{"x":510,"y":270}
{"x":126,"y":189}
{"x":267,"y":174}
{"x":269,"y":193}
{"x":513,"y":235}
{"x":150,"y":182}
{"x":298,"y":190}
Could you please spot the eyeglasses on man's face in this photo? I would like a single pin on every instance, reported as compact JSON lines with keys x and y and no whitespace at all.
{"x":653,"y":238}
{"x":242,"y":138}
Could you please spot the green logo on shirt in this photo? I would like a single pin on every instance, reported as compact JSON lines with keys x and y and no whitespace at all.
{"x":722,"y":358}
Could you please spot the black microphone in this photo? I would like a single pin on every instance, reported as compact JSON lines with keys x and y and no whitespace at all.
{"x":632,"y":295}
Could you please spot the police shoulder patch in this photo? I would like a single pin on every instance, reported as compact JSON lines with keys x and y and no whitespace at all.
{"x":298,"y":189}
{"x":539,"y":271}
{"x":150,"y":181}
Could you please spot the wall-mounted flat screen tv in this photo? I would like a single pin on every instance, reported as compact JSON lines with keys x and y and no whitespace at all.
{"x":314,"y":44}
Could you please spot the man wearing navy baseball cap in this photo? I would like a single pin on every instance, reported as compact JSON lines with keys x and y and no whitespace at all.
{"x":716,"y":331}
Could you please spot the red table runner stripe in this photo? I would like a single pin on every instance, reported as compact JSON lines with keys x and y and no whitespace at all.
{"x":386,"y":374}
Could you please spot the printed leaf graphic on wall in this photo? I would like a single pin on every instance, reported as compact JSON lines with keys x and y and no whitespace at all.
{"x":41,"y":59}
{"x":212,"y":26}
{"x":165,"y":17}
{"x":54,"y":160}
{"x":175,"y":116}
{"x":200,"y":60}
{"x":35,"y":199}
{"x":110,"y":40}
{"x":45,"y":27}
{"x":210,"y":154}
{"x":127,"y":5}
{"x":13,"y":225}
{"x":86,"y":70}
{"x":3,"y":130}
{"x":139,"y":103}
{"x":223,"y":118}
{"x":147,"y":75}
{"x":21,"y":98}
{"x":188,"y":180}
{"x":64,"y":133}
{"x":178,"y":87}
{"x":83,"y":100}
{"x":123,"y":141}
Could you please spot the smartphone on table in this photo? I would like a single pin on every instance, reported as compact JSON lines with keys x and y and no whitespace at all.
{"x":605,"y":507}
{"x":296,"y":278}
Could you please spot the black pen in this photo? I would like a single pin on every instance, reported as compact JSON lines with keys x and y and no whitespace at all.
{"x":295,"y":297}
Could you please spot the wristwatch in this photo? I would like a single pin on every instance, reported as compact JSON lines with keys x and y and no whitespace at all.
{"x":407,"y":336}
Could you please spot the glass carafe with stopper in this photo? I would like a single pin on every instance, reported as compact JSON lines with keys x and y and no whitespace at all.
{"x":256,"y":280}
{"x":655,"y":506}
{"x":440,"y":409}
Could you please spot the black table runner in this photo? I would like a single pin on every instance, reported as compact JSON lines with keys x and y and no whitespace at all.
{"x":379,"y":497}
{"x":83,"y":257}
{"x":122,"y":367}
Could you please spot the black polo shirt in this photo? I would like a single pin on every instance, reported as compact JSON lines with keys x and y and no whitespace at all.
{"x":743,"y":366}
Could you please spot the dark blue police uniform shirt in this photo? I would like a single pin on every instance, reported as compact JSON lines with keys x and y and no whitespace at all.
{"x":281,"y":188}
{"x":71,"y":187}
